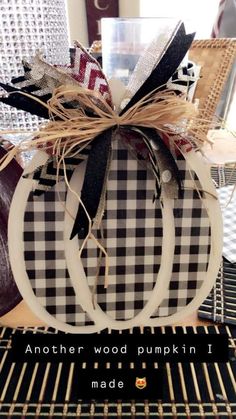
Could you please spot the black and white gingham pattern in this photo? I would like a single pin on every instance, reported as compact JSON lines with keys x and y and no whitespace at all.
{"x":192,"y":247}
{"x":227,"y":196}
{"x":45,"y":259}
{"x":47,"y":176}
{"x":133,"y":238}
{"x":132,"y":229}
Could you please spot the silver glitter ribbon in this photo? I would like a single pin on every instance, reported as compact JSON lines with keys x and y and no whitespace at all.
{"x":149,"y":60}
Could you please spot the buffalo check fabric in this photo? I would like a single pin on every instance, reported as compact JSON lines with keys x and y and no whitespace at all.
{"x":132,"y":230}
{"x":45,"y":257}
{"x":131,"y":233}
{"x":192,"y":246}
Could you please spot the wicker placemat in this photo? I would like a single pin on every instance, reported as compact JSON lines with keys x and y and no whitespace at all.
{"x":216,"y":57}
{"x":190,"y":390}
{"x":220,"y":305}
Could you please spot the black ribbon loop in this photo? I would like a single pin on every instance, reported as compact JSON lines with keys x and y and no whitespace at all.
{"x":27,"y":104}
{"x":95,"y":176}
{"x":169,"y":63}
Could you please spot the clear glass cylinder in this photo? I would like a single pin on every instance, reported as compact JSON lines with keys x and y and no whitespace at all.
{"x":25,"y":27}
{"x":124,"y":40}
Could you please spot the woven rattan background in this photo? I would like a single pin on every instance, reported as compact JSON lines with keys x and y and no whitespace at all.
{"x":215,"y":56}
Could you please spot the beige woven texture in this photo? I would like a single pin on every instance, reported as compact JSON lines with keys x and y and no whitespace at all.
{"x":215,"y":56}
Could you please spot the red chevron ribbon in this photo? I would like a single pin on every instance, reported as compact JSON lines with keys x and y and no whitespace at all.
{"x":87,"y":72}
{"x":175,"y":142}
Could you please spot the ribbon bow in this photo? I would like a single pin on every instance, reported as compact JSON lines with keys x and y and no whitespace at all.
{"x":83,"y":112}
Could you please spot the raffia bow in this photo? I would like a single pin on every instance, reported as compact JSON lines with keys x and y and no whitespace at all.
{"x":70,"y":130}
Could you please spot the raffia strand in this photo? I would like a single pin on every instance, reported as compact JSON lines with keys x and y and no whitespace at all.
{"x":161,"y":110}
